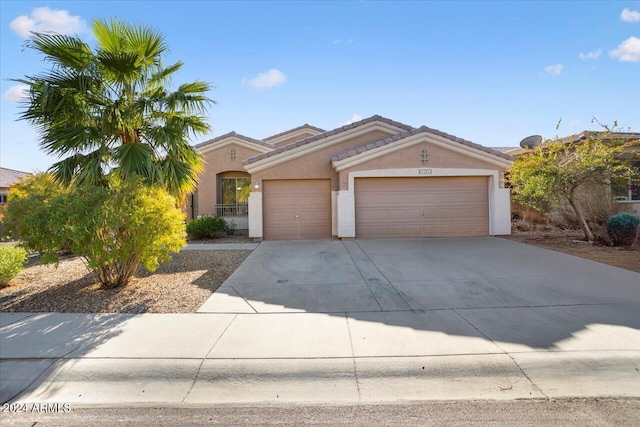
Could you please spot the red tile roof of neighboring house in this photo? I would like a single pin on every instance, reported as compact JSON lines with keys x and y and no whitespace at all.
{"x":310,"y":139}
{"x":304,"y":126}
{"x":237,"y":135}
{"x":423,"y":129}
{"x":8,"y":177}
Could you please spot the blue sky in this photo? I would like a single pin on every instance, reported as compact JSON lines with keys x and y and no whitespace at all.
{"x":490,"y":72}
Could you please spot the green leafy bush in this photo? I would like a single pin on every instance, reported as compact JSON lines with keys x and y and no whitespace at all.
{"x":207,"y":226}
{"x":114,"y":229}
{"x":12,"y":261}
{"x":28,"y":216}
{"x":623,"y":229}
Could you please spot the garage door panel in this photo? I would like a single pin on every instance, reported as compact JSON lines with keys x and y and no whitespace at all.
{"x":296,"y":209}
{"x":422,"y":207}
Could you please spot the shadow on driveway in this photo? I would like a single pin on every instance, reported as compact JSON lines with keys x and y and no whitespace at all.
{"x":518,"y":296}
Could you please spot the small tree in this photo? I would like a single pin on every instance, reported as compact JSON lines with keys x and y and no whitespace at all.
{"x":542,"y":177}
{"x":114,"y":229}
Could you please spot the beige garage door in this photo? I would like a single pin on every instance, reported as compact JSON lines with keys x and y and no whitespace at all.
{"x":296,"y":209}
{"x":422,"y":207}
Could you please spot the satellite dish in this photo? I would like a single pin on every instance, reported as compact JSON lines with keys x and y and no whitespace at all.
{"x":531,"y":142}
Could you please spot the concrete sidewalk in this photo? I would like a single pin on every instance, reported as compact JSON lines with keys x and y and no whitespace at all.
{"x":371,"y":321}
{"x":302,"y":357}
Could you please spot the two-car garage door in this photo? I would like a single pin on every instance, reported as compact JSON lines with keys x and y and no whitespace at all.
{"x":422,"y":207}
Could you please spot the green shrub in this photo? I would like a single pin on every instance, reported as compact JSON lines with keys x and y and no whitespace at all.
{"x":28,"y":214}
{"x":114,"y":229}
{"x":623,"y":229}
{"x":207,"y":226}
{"x":12,"y":261}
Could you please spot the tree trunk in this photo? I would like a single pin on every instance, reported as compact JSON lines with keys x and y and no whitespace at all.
{"x":580,"y":216}
{"x":117,"y":275}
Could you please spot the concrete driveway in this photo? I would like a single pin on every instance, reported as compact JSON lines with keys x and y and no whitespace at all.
{"x":363,"y":321}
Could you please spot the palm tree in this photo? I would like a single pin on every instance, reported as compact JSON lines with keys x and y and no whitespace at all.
{"x":108,"y":113}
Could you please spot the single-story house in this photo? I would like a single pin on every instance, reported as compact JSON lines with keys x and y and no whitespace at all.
{"x":8,"y":177}
{"x":372,"y":178}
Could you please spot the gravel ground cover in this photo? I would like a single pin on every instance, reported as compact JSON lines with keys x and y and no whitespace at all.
{"x":572,"y":242}
{"x":181,"y":285}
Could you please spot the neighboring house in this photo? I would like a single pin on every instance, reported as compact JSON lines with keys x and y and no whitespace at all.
{"x":8,"y":177}
{"x":628,"y":194}
{"x":372,"y":178}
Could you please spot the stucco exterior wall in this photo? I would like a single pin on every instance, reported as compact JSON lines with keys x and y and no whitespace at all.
{"x":218,"y":161}
{"x":411,"y":157}
{"x":317,"y":164}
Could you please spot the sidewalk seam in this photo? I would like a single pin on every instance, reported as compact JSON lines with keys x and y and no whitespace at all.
{"x":353,"y":358}
{"x":204,"y":359}
{"x":535,"y":386}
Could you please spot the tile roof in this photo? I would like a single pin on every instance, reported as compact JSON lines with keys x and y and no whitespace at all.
{"x":310,"y":139}
{"x":599,"y":134}
{"x":237,"y":135}
{"x":286,"y":132}
{"x":393,"y":138}
{"x":8,"y":177}
{"x":509,"y":150}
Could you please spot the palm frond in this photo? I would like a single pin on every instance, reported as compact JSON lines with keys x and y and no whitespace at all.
{"x":145,"y":42}
{"x":163,"y":75}
{"x":109,"y":34}
{"x":62,"y":50}
{"x":120,"y":66}
{"x":136,"y":159}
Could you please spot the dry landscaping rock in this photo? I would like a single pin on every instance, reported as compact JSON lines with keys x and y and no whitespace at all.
{"x":181,"y":285}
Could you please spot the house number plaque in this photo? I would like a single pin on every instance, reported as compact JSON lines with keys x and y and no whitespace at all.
{"x":425,"y":171}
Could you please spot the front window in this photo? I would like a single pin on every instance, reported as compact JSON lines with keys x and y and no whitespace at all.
{"x":234,"y":197}
{"x":235,"y":190}
{"x":627,"y":189}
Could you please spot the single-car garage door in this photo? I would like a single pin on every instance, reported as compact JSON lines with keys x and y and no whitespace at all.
{"x":296,"y":209}
{"x":422,"y":207}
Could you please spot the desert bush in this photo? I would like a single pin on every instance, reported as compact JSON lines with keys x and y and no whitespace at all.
{"x":596,"y":203}
{"x":623,"y":229}
{"x":12,"y":261}
{"x":28,"y":216}
{"x":113,"y":229}
{"x":207,"y":226}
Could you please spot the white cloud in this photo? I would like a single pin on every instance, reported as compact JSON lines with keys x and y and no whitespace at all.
{"x":554,"y":70}
{"x":354,"y":118}
{"x":43,"y":19}
{"x":628,"y":50}
{"x":340,"y":41}
{"x":17,"y":93}
{"x":266,"y":80}
{"x":630,"y":15}
{"x":590,"y":55}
